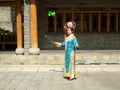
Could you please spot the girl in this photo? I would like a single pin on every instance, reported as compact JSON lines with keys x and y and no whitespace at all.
{"x":70,"y":45}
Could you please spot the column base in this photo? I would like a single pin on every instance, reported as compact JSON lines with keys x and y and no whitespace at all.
{"x":34,"y":51}
{"x":19,"y":51}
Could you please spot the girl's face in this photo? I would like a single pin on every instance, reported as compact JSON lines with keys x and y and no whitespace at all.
{"x":69,"y":31}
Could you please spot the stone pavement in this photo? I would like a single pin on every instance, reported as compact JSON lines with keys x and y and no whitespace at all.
{"x":50,"y":77}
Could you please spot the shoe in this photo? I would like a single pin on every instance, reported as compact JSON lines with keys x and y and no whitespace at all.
{"x":70,"y":79}
{"x":75,"y":78}
{"x":66,"y":77}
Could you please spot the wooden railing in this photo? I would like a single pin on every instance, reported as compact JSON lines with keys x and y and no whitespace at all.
{"x":7,"y":38}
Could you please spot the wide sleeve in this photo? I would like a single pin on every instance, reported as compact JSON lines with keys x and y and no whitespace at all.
{"x":75,"y":41}
{"x":63,"y":44}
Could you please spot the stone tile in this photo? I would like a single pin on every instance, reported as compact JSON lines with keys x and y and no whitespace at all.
{"x":2,"y":69}
{"x":30,"y":68}
{"x":81,"y":69}
{"x":110,"y":69}
{"x":94,"y":69}
{"x":90,"y":77}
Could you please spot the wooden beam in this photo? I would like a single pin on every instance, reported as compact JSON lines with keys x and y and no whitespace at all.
{"x":8,"y":3}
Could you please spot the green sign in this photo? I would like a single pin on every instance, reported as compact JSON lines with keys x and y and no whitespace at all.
{"x":51,"y":13}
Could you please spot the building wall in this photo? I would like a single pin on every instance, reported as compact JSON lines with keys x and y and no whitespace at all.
{"x":86,"y":41}
{"x":7,"y":19}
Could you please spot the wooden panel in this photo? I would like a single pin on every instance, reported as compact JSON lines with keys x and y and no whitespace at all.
{"x":8,"y":3}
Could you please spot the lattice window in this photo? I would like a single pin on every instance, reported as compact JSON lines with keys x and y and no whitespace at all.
{"x":88,"y":19}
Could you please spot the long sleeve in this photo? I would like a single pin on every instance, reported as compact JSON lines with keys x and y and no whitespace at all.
{"x":75,"y":41}
{"x":63,"y":44}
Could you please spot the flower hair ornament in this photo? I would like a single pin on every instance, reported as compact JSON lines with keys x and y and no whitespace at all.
{"x":70,"y":24}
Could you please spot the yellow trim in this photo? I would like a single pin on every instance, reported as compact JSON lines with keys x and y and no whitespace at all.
{"x":72,"y":37}
{"x":70,"y":73}
{"x":72,"y":55}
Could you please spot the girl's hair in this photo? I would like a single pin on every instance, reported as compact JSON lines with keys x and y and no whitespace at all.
{"x":71,"y":29}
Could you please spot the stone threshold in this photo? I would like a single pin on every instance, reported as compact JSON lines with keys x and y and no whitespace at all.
{"x":62,"y":51}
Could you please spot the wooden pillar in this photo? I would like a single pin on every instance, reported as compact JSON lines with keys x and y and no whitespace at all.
{"x":19,"y":50}
{"x":33,"y":22}
{"x":19,"y":25}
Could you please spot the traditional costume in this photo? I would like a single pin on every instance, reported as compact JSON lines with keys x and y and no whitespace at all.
{"x":70,"y":45}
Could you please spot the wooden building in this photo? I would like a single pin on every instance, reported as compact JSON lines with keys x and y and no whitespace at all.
{"x":16,"y":37}
{"x":24,"y":27}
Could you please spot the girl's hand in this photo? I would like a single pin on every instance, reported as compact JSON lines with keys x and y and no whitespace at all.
{"x":77,"y":47}
{"x":57,"y":44}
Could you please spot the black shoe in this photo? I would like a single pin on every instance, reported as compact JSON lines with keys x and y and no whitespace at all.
{"x":66,"y":77}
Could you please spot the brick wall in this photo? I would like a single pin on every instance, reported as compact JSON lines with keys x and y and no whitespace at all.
{"x":7,"y":18}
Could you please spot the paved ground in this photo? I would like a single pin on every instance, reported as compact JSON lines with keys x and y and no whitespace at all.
{"x":49,"y":77}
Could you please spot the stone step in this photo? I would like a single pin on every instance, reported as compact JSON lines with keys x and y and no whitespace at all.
{"x":56,"y":57}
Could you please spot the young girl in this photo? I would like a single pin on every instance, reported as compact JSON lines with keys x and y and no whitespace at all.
{"x":70,"y":45}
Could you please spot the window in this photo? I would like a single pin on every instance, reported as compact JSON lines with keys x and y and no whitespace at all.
{"x":87,"y":19}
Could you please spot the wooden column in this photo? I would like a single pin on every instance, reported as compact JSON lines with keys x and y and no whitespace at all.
{"x":19,"y":25}
{"x":33,"y":22}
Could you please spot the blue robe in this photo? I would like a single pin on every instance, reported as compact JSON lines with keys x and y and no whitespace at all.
{"x":70,"y":44}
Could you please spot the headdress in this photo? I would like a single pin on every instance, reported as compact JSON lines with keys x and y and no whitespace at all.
{"x":70,"y":24}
